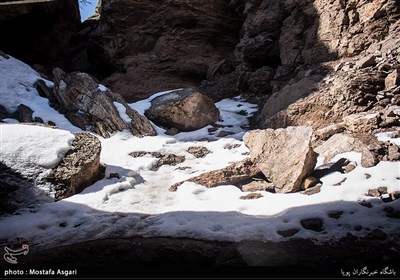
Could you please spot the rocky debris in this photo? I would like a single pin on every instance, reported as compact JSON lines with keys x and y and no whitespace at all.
{"x":315,"y":224}
{"x":312,"y":190}
{"x":341,"y":143}
{"x":146,"y":47}
{"x":362,"y":122}
{"x":198,"y":151}
{"x":163,"y":159}
{"x":310,"y":182}
{"x":90,"y":107}
{"x":79,"y":168}
{"x":340,"y":182}
{"x":237,"y":173}
{"x":288,"y":232}
{"x":376,"y":234}
{"x":47,"y":25}
{"x":393,"y":79}
{"x":251,"y":196}
{"x":24,"y":114}
{"x":328,"y":131}
{"x":258,"y":185}
{"x":350,"y":166}
{"x":392,"y":196}
{"x":366,"y":61}
{"x":224,"y":133}
{"x":232,"y":146}
{"x":172,"y":131}
{"x":335,"y":214}
{"x":4,"y":114}
{"x":377,"y":192}
{"x":184,"y":109}
{"x":284,"y":156}
{"x":393,"y":152}
{"x":365,"y":203}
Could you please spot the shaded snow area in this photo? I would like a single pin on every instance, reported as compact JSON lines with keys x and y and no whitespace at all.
{"x":139,"y":202}
{"x":17,"y":87}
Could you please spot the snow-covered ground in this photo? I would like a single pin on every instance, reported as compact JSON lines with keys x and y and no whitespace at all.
{"x":139,"y":202}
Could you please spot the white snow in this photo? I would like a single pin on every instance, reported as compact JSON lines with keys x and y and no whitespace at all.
{"x":387,"y":136}
{"x":102,"y":87}
{"x":122,"y":112}
{"x":29,"y":149}
{"x":139,"y":202}
{"x":16,"y":87}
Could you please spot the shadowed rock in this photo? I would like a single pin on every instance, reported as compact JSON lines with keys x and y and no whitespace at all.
{"x":93,"y":108}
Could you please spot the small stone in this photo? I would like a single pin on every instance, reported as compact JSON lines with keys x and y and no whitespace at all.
{"x":51,"y":123}
{"x":288,"y":232}
{"x":251,"y":196}
{"x":382,"y":190}
{"x":373,"y":193}
{"x":310,"y":182}
{"x":172,"y":131}
{"x":114,"y":175}
{"x":350,"y":167}
{"x":326,"y":132}
{"x":395,"y":195}
{"x":365,"y":204}
{"x":38,"y":120}
{"x":367,"y":175}
{"x":393,"y":79}
{"x":258,"y":186}
{"x":62,"y":225}
{"x":376,"y":234}
{"x":315,"y":224}
{"x":232,"y":146}
{"x":357,"y":227}
{"x":366,"y":61}
{"x":393,"y":152}
{"x":313,"y":190}
{"x":212,"y":129}
{"x":335,"y":214}
{"x":198,"y":151}
{"x":340,"y":182}
{"x":24,"y":114}
{"x":224,"y":133}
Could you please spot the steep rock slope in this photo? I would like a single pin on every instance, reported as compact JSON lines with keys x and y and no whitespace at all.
{"x":37,"y":31}
{"x":148,"y":46}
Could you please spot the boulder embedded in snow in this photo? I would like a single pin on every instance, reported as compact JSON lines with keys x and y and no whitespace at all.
{"x":184,"y":109}
{"x":236,"y":173}
{"x":79,"y":168}
{"x":95,"y":108}
{"x":285,"y":156}
{"x":341,"y":143}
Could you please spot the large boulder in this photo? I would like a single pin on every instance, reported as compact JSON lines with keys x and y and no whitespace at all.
{"x":79,"y":168}
{"x":285,"y":156}
{"x":93,"y":107}
{"x":184,"y":109}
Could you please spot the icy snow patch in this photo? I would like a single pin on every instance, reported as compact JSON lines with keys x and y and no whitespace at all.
{"x":122,"y":112}
{"x":16,"y":87}
{"x":29,"y":149}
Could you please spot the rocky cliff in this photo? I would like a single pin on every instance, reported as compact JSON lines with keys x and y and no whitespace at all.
{"x":38,"y":31}
{"x":306,"y":62}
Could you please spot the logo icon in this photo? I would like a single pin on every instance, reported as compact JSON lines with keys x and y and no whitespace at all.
{"x":10,"y":254}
